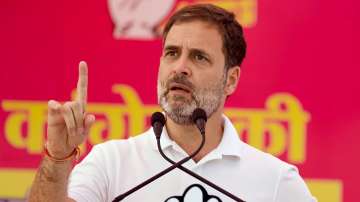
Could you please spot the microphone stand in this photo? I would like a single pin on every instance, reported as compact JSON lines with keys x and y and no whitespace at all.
{"x":158,"y":121}
{"x":175,"y":165}
{"x":194,"y":174}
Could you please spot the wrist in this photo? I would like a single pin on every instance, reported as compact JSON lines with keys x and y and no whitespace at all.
{"x":74,"y":155}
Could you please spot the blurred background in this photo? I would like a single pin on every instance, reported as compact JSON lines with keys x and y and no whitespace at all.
{"x":298,"y":96}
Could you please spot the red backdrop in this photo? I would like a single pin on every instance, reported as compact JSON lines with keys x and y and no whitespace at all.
{"x":301,"y":54}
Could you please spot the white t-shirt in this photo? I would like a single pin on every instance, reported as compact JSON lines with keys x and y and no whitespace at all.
{"x":114,"y":167}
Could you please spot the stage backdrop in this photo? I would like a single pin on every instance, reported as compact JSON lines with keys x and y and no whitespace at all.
{"x":298,"y":96}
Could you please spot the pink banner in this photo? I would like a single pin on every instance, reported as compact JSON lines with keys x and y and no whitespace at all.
{"x":298,"y":96}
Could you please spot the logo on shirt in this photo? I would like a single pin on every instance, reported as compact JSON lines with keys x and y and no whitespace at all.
{"x":194,"y":192}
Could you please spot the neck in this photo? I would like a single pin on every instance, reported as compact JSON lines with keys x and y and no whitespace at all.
{"x":188,"y":137}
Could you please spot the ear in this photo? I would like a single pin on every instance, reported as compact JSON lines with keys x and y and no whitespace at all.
{"x":232,"y":80}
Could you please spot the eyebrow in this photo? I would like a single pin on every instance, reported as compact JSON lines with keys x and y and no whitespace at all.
{"x":192,"y":50}
{"x":171,"y":47}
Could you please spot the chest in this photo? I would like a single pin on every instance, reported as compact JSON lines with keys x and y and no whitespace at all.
{"x":178,"y":185}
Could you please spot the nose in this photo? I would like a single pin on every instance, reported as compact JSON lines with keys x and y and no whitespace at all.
{"x":182,"y":66}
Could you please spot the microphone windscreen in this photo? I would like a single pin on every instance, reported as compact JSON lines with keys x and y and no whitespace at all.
{"x":157,"y":117}
{"x":198,"y":114}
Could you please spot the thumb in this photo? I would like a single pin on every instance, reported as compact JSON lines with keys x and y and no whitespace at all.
{"x":53,"y":107}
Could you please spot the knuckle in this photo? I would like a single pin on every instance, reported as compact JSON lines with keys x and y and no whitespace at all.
{"x":71,"y":127}
{"x":53,"y":104}
{"x":67,"y":105}
{"x":76,"y":105}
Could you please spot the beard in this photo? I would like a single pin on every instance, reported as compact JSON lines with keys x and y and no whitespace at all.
{"x":180,"y":108}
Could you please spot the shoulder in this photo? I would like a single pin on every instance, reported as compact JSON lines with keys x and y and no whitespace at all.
{"x":142,"y":140}
{"x":250,"y":156}
{"x":282,"y":176}
{"x":264,"y":160}
{"x":113,"y":154}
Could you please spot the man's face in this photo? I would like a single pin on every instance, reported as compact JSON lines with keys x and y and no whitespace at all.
{"x":191,"y":72}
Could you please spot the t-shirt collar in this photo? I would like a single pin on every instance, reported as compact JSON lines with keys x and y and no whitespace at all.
{"x":230,"y":144}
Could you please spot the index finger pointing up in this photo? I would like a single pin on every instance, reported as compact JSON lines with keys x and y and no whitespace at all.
{"x":82,"y":85}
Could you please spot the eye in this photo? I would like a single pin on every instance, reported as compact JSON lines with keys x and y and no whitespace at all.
{"x":200,"y":57}
{"x":171,"y":53}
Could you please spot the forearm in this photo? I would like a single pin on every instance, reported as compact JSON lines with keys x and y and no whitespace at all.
{"x":51,"y":181}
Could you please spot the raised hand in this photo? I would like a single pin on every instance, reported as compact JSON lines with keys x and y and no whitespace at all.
{"x":69,"y":124}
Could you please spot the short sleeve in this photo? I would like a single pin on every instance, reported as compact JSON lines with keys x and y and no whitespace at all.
{"x":88,"y":180}
{"x":292,"y":187}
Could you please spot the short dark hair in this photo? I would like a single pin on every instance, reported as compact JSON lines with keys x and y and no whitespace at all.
{"x":234,"y":45}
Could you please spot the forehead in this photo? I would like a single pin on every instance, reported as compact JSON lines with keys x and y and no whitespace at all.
{"x":195,"y":34}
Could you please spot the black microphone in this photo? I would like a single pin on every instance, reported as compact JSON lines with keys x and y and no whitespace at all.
{"x":158,"y":122}
{"x":199,"y":118}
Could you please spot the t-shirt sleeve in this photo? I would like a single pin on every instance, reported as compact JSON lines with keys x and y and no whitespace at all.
{"x":88,"y":180}
{"x":292,"y":187}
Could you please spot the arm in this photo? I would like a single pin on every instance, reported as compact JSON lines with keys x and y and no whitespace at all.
{"x":68,"y":127}
{"x":50,"y":182}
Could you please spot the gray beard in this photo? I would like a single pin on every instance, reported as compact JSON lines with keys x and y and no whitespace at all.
{"x":208,"y":98}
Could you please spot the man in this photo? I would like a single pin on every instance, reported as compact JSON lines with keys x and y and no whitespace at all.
{"x":203,"y":49}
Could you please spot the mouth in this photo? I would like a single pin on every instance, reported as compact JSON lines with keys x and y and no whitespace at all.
{"x":177,"y":87}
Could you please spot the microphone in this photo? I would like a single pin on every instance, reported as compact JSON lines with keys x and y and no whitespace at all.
{"x":158,"y":122}
{"x":199,"y":118}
